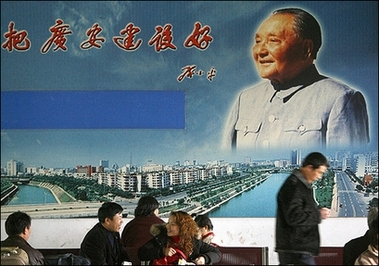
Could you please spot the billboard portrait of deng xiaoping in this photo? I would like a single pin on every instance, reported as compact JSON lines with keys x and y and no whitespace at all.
{"x":179,"y":84}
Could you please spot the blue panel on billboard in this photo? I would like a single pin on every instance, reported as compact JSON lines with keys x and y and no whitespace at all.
{"x":92,"y":109}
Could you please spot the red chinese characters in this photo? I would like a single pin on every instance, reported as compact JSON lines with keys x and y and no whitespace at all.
{"x":190,"y":71}
{"x":211,"y":74}
{"x":16,"y":39}
{"x":59,"y":32}
{"x":163,"y":38}
{"x":199,"y":38}
{"x":128,"y":43}
{"x":93,"y":38}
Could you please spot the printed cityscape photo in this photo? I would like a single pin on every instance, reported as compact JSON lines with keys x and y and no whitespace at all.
{"x":216,"y":187}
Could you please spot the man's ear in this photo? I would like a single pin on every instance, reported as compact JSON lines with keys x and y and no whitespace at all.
{"x":308,"y":169}
{"x":24,"y":232}
{"x":307,"y":49}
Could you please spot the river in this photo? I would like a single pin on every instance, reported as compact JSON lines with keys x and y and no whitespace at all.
{"x":32,"y":195}
{"x":257,"y":202}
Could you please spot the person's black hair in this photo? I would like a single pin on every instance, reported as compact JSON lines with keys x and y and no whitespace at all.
{"x":146,"y":206}
{"x":204,"y":220}
{"x":306,"y":26}
{"x":315,"y":159}
{"x":372,"y":214}
{"x":108,"y":210}
{"x":16,"y":223}
{"x":373,"y":232}
{"x":373,"y":202}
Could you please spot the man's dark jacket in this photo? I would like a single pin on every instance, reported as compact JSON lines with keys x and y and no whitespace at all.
{"x":297,"y":217}
{"x":35,"y":256}
{"x":354,"y":248}
{"x":103,"y":247}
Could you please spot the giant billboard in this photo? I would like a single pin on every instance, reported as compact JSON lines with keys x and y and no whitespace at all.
{"x":184,"y":83}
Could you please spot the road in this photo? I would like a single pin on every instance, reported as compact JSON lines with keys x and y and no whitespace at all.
{"x":351,"y":202}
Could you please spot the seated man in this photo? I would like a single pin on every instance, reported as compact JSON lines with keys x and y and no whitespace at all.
{"x":102,"y":243}
{"x":356,"y":246}
{"x":370,"y":255}
{"x":18,"y":228}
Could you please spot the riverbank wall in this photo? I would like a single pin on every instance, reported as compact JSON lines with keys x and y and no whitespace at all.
{"x":200,"y":209}
{"x":8,"y":194}
{"x":59,"y":194}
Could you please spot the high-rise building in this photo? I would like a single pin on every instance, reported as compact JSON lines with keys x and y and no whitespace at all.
{"x":14,"y":168}
{"x":87,"y":170}
{"x":104,"y":163}
{"x":296,"y":157}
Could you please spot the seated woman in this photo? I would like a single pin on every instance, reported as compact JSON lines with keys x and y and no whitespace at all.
{"x":206,"y":230}
{"x":137,"y":231}
{"x":177,"y":241}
